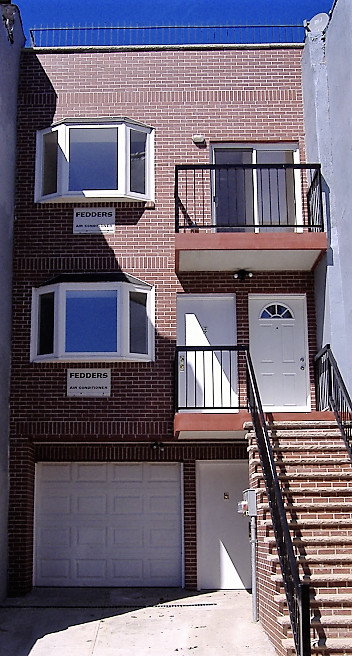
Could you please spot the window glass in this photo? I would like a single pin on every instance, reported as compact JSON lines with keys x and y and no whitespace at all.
{"x":46,"y":324}
{"x":138,"y":323}
{"x":50,"y":163}
{"x":276,"y":311}
{"x":138,"y":142}
{"x":91,"y":321}
{"x":93,"y":158}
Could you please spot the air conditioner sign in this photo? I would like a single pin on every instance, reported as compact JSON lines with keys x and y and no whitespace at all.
{"x":94,"y":220}
{"x":88,"y":382}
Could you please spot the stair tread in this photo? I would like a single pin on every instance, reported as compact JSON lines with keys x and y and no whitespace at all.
{"x":325,"y":643}
{"x":322,"y":521}
{"x":319,"y":558}
{"x":322,"y":620}
{"x":319,"y":539}
{"x":316,"y":578}
{"x":334,"y":599}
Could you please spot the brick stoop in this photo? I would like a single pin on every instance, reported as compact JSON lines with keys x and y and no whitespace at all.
{"x":315,"y":475}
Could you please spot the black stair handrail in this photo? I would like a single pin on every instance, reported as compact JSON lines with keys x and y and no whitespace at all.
{"x":331,"y":393}
{"x":297,"y":593}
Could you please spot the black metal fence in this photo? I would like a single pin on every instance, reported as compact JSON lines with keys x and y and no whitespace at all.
{"x":332,"y":394}
{"x":207,"y":378}
{"x":248,"y":197}
{"x":162,"y":35}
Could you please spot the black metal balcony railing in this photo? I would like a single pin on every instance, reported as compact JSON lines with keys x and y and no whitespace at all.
{"x":332,"y":393}
{"x":211,"y":378}
{"x":248,"y":197}
{"x":207,"y":378}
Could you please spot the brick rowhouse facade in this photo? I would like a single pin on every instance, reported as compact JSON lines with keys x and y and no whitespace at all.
{"x":240,"y":94}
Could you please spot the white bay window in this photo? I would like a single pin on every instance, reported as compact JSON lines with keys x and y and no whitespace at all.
{"x":93,"y":320}
{"x":95,"y":160}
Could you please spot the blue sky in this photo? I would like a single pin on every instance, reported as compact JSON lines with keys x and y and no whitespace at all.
{"x":159,"y":12}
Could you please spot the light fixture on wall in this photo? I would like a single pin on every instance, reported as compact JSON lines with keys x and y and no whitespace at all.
{"x":199,"y":140}
{"x":242,"y":274}
{"x":158,"y":446}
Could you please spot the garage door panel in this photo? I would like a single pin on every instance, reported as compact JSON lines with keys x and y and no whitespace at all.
{"x":91,"y":505}
{"x":91,"y":473}
{"x":127,"y":505}
{"x":128,"y":472}
{"x":55,"y":505}
{"x":52,"y":472}
{"x":108,"y":531}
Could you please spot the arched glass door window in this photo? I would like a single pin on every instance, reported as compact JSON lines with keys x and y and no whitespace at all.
{"x":276,"y":311}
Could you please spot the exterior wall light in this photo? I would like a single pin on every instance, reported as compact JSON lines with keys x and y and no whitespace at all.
{"x":199,"y":139}
{"x":242,"y":274}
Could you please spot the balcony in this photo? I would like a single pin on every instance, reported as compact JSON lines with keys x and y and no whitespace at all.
{"x":210,"y":389}
{"x":262,"y":217}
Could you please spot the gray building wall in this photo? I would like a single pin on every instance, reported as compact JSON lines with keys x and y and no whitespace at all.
{"x":327,"y":94}
{"x":9,"y":67}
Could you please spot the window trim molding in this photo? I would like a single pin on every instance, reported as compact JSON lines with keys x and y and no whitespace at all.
{"x":123,"y":192}
{"x":123,"y":353}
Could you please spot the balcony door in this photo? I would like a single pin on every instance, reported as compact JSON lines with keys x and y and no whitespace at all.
{"x":207,"y":374}
{"x":265,"y":197}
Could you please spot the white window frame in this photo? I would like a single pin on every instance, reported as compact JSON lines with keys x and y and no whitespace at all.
{"x":123,"y":353}
{"x":255,"y":147}
{"x":123,"y":192}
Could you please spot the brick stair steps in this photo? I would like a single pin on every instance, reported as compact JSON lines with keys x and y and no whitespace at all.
{"x":319,"y":559}
{"x":311,"y":476}
{"x":319,"y":622}
{"x":328,"y":646}
{"x":315,"y":474}
{"x":306,"y":522}
{"x":321,"y":600}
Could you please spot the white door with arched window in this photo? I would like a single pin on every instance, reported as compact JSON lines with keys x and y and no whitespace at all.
{"x":279,"y":350}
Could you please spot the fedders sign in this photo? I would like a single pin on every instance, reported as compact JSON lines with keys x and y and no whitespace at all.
{"x":88,"y":382}
{"x":93,"y":220}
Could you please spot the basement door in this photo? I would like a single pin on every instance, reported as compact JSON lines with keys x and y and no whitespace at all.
{"x":222,"y":533}
{"x":279,"y":350}
{"x":207,"y":376}
{"x":108,"y":524}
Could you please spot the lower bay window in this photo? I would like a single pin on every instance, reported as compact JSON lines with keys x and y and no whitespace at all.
{"x":93,"y":320}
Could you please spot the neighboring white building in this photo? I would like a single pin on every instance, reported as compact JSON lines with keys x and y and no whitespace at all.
{"x":11,"y":41}
{"x":327,"y":89}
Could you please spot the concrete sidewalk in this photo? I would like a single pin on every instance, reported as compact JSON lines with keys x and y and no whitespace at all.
{"x":130,"y":622}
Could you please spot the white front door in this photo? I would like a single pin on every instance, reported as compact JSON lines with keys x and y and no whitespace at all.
{"x":207,"y":379}
{"x":222,"y":533}
{"x":279,"y":349}
{"x":108,"y":524}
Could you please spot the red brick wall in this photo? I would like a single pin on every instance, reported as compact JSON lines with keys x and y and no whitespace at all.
{"x":229,"y":95}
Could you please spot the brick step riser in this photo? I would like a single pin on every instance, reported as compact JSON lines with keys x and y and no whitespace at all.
{"x":311,"y":570}
{"x":312,"y":497}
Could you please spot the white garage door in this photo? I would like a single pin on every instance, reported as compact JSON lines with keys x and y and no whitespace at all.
{"x":108,"y":524}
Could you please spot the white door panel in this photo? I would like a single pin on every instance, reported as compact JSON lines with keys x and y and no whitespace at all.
{"x":107,"y":524}
{"x":207,"y":379}
{"x":223,"y":543}
{"x":279,"y":350}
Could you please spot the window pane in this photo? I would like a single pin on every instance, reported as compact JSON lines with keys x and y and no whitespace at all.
{"x":49,"y":163}
{"x":138,"y":142}
{"x":138,"y":323}
{"x":46,"y":324}
{"x":93,"y":158}
{"x":91,"y":321}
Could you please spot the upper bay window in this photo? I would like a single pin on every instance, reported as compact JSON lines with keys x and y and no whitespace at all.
{"x":86,"y":317}
{"x":104,"y":159}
